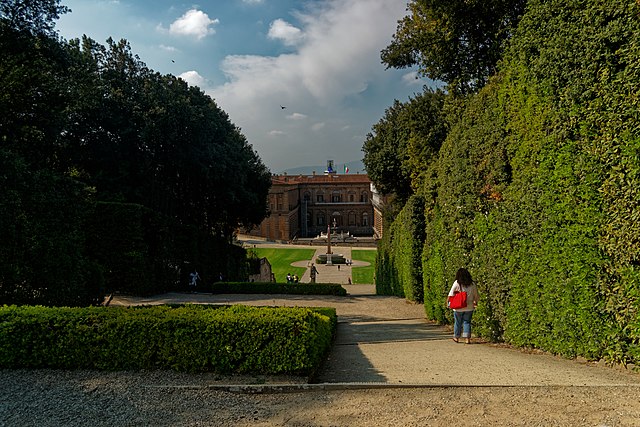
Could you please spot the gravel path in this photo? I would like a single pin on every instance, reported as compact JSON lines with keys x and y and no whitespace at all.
{"x":81,"y":398}
{"x":411,"y":365}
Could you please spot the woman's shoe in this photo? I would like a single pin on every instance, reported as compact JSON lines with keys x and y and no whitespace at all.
{"x":454,"y":339}
{"x":467,"y":341}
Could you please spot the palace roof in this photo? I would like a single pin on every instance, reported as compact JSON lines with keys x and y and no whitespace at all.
{"x":320,"y":179}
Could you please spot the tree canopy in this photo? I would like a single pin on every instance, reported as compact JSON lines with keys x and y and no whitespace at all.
{"x":98,"y":124}
{"x":35,"y":16}
{"x":455,"y":41}
{"x":403,"y":141}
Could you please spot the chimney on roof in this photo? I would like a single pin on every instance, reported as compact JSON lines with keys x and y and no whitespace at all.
{"x":314,"y":173}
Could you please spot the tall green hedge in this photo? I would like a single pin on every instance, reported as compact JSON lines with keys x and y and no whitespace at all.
{"x":398,"y":263}
{"x":42,"y":239}
{"x":537,"y":187}
{"x":386,"y":276}
{"x":117,"y":237}
{"x":143,"y":253}
{"x":472,"y":172}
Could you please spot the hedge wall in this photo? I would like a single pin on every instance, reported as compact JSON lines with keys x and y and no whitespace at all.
{"x":273,"y":288}
{"x":398,"y":262}
{"x":143,"y":253}
{"x":233,"y":339}
{"x":538,"y":187}
{"x":42,"y":239}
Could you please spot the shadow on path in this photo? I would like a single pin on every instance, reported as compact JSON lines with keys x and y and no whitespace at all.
{"x":347,"y":360}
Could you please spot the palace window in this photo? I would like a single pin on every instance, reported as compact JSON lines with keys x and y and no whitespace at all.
{"x":320,"y":198}
{"x":365,"y":219}
{"x":364,"y":197}
{"x":320,"y":219}
{"x":352,"y":218}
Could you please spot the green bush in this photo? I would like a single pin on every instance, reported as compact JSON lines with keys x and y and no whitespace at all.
{"x":400,"y":271}
{"x":117,"y":240}
{"x":273,"y":288}
{"x":42,"y":255}
{"x":143,"y":253}
{"x":537,"y":190}
{"x":386,"y":277}
{"x":226,"y":339}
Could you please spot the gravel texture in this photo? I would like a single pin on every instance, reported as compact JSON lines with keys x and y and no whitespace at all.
{"x":413,"y":366}
{"x":84,"y":398}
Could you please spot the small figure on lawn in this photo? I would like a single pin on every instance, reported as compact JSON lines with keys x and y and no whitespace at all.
{"x":314,"y":273}
{"x":193,"y":279}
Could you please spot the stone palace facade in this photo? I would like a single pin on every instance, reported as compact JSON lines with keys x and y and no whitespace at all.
{"x":303,"y":206}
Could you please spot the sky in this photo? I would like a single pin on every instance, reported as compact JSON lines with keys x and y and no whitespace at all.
{"x":320,"y":59}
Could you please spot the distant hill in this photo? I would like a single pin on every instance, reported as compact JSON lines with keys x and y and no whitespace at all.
{"x":355,"y":166}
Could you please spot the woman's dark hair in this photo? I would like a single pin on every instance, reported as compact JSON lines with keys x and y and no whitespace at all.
{"x":463,"y":277}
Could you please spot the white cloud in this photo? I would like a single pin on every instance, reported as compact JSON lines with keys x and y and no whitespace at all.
{"x":194,"y":79}
{"x":331,"y":74}
{"x":276,"y":133}
{"x":413,"y":79}
{"x":168,"y":48}
{"x":253,"y":1}
{"x":296,"y":116}
{"x":193,"y":23}
{"x":282,"y":30}
{"x":339,"y":56}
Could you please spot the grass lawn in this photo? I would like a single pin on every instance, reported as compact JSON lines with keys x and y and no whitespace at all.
{"x":363,"y":275}
{"x":281,"y":259}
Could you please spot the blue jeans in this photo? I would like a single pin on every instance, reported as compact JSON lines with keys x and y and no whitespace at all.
{"x":462,"y":325}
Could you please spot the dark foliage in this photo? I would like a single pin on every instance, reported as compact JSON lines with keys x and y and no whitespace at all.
{"x":82,"y":123}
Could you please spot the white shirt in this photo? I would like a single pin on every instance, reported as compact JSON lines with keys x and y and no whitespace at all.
{"x":472,"y":295}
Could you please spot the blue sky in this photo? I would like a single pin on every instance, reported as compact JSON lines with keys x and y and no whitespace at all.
{"x":320,"y":59}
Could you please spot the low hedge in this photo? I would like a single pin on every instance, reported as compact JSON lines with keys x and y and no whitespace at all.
{"x":193,"y":338}
{"x":273,"y":288}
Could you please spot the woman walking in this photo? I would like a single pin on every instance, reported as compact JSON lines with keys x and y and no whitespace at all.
{"x":462,"y":316}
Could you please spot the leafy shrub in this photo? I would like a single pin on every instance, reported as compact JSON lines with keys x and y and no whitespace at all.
{"x":387,"y":282}
{"x":537,"y":187}
{"x":273,"y":288}
{"x":226,"y":339}
{"x":42,"y":256}
{"x":399,"y":265}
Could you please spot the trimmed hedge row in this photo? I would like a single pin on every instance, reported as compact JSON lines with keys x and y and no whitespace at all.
{"x":193,"y":338}
{"x":537,"y":190}
{"x":399,"y":262}
{"x":273,"y":288}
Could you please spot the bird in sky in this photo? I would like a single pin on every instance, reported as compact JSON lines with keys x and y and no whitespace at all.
{"x":173,"y":61}
{"x":282,"y":107}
